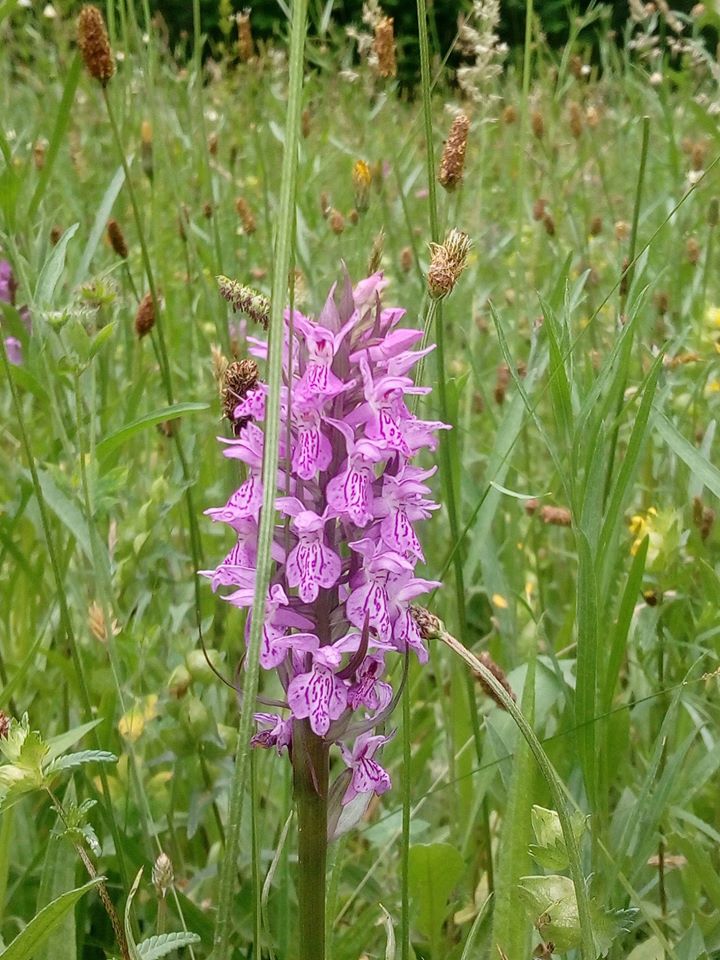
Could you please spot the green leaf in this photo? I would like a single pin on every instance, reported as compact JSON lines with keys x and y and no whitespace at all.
{"x":101,"y":338}
{"x":706,"y":472}
{"x":73,"y":760}
{"x":434,"y":869}
{"x":113,"y":440}
{"x":101,"y":219}
{"x":66,"y":511}
{"x":53,"y":268}
{"x":26,"y":943}
{"x":155,"y":947}
{"x":552,"y":906}
{"x":132,"y":946}
{"x":58,"y":745}
{"x":550,"y":850}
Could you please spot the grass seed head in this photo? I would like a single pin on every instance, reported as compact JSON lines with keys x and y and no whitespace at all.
{"x":447,"y":262}
{"x":509,"y":115}
{"x":693,"y":250}
{"x":95,"y":45}
{"x":376,"y":253}
{"x":596,"y":225}
{"x":117,"y":239}
{"x":538,"y":124}
{"x":575,"y":119}
{"x":452,"y":163}
{"x":406,"y":259}
{"x":243,"y":298}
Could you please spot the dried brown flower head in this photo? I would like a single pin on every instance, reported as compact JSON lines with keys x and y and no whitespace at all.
{"x":384,"y":47}
{"x":306,"y":123}
{"x":336,"y":221}
{"x":622,"y":230}
{"x":487,"y":661}
{"x":240,"y":377}
{"x":448,"y":260}
{"x":693,"y":250}
{"x":163,"y":876}
{"x":429,"y":626}
{"x":95,"y":45}
{"x":117,"y":239}
{"x":452,"y":163}
{"x":145,"y":316}
{"x":39,"y":150}
{"x":4,"y":724}
{"x":596,"y":225}
{"x":575,"y":119}
{"x":509,"y":115}
{"x":406,"y":259}
{"x":256,"y":305}
{"x":55,"y":234}
{"x":549,"y":224}
{"x":246,"y":215}
{"x":213,"y":143}
{"x":502,"y":379}
{"x":539,"y":207}
{"x":703,"y":518}
{"x":538,"y":124}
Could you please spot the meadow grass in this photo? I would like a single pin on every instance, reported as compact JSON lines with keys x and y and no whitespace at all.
{"x":579,"y":369}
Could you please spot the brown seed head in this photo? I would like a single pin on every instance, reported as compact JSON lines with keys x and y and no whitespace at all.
{"x":452,"y":163}
{"x":325,"y":206}
{"x":592,"y":117}
{"x":246,"y":44}
{"x":256,"y":305}
{"x":406,"y":259}
{"x":596,"y":225}
{"x":549,"y":224}
{"x":713,"y":212}
{"x":145,"y":316}
{"x":538,"y":124}
{"x":39,"y":150}
{"x":575,"y":119}
{"x":538,"y":210}
{"x":556,"y":516}
{"x":207,"y":210}
{"x":698,"y":155}
{"x":246,"y":215}
{"x":4,"y":724}
{"x":703,"y":518}
{"x":95,"y":45}
{"x":117,"y":239}
{"x":448,"y":260}
{"x":336,"y":221}
{"x":509,"y":115}
{"x":692,"y":250}
{"x":622,"y":230}
{"x":146,"y":149}
{"x":384,"y":47}
{"x":306,"y":123}
{"x":502,"y":379}
{"x":428,"y":624}
{"x":55,"y":234}
{"x":487,"y":661}
{"x":240,"y":377}
{"x":213,"y":142}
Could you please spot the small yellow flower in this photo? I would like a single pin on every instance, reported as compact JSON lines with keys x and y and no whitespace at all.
{"x":640,"y":526}
{"x":499,"y":601}
{"x":132,"y":723}
{"x":712,"y":317}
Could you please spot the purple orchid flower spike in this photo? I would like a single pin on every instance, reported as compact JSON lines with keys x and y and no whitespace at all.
{"x":346,"y":552}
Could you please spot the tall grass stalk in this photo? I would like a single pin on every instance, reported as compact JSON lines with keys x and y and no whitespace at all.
{"x":281,"y":266}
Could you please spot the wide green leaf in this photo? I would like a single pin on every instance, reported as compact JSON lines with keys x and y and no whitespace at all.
{"x":26,"y":943}
{"x":434,"y":870}
{"x":113,"y":440}
{"x":155,"y":947}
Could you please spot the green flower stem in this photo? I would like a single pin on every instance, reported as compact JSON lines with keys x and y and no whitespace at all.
{"x":283,"y":248}
{"x":555,"y":784}
{"x":66,"y":626}
{"x":310,"y":782}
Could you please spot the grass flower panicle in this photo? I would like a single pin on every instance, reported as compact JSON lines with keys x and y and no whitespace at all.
{"x":345,"y":568}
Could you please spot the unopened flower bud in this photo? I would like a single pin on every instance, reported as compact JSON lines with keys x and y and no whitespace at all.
{"x":162,"y":875}
{"x":447,"y":262}
{"x":361,"y":178}
{"x":337,"y":222}
{"x":95,"y":45}
{"x":452,"y":163}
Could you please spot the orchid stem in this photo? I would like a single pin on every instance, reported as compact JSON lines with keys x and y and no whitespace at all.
{"x":310,"y":779}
